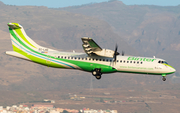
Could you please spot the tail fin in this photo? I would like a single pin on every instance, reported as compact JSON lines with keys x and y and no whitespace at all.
{"x":19,"y":38}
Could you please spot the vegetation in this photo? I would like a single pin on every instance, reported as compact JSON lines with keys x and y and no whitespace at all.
{"x":138,"y":30}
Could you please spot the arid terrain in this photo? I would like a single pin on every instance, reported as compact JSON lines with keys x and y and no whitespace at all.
{"x":125,"y":100}
{"x":138,"y":30}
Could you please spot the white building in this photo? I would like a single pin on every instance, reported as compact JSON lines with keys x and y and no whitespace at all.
{"x":8,"y":108}
{"x":54,"y":111}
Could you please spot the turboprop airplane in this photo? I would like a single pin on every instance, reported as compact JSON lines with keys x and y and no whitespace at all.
{"x":96,"y":60}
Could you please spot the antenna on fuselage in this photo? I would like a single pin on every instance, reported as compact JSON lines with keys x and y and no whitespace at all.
{"x":123,"y":53}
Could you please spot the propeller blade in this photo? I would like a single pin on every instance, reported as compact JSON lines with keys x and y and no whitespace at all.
{"x":115,"y":53}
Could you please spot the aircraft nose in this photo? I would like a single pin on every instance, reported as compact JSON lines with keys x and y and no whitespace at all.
{"x":172,"y":69}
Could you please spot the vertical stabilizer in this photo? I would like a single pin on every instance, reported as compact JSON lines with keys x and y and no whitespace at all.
{"x":19,"y":38}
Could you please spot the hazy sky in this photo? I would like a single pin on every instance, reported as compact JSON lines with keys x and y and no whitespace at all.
{"x":65,"y":3}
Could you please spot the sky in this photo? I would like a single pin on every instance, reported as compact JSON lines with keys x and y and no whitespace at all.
{"x":66,"y":3}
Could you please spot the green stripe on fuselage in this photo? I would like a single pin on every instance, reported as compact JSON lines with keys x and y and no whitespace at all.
{"x":19,"y":32}
{"x":38,"y":60}
{"x":145,"y":72}
{"x":168,"y":65}
{"x":86,"y":66}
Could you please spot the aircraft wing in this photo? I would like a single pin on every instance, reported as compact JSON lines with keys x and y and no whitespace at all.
{"x":91,"y":48}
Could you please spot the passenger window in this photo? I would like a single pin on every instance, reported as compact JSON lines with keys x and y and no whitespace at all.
{"x":61,"y":56}
{"x":99,"y":59}
{"x":130,"y":61}
{"x":89,"y":58}
{"x":127,"y":61}
{"x":117,"y":60}
{"x":120,"y":61}
{"x":110,"y":60}
{"x":106,"y":60}
{"x":124,"y":61}
{"x":68,"y":57}
{"x":79,"y":58}
{"x":134,"y":61}
{"x":93,"y":59}
{"x":82,"y":58}
{"x":71,"y":57}
{"x":141,"y":62}
{"x":86,"y":59}
{"x":58,"y":56}
{"x":137,"y":62}
{"x":103,"y":59}
{"x":74,"y":57}
{"x":96,"y":59}
{"x":65,"y":57}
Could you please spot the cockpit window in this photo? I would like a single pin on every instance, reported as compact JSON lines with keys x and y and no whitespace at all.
{"x":162,"y":62}
{"x":165,"y":62}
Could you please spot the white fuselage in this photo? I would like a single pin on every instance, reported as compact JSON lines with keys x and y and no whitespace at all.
{"x":129,"y":64}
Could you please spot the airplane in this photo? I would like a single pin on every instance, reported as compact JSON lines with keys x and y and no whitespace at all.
{"x":96,"y":60}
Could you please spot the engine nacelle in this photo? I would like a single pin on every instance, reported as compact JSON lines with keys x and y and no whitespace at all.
{"x":105,"y":53}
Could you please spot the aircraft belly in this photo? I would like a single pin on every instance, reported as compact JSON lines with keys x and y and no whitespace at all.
{"x":88,"y":66}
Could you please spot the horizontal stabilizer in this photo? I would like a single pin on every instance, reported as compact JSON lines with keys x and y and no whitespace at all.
{"x":15,"y":54}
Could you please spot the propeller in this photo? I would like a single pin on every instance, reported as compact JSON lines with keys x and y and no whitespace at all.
{"x":115,"y":53}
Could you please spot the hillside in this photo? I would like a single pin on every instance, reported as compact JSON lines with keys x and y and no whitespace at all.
{"x":57,"y":29}
{"x":151,"y":30}
{"x":138,"y":30}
